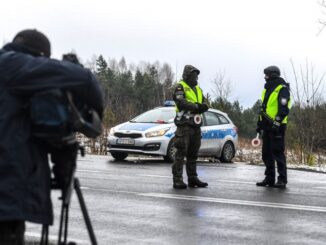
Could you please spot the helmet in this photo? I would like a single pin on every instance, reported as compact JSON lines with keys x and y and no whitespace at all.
{"x":34,"y":41}
{"x":272,"y":71}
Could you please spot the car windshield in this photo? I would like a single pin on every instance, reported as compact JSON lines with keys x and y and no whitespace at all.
{"x":158,"y":115}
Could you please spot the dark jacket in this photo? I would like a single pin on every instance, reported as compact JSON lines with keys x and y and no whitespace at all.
{"x":24,"y":167}
{"x":283,"y":109}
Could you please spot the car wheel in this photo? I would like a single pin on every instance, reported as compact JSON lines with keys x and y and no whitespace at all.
{"x":228,"y":152}
{"x":170,"y":152}
{"x":119,"y":155}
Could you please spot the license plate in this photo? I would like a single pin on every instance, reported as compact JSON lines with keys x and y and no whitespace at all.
{"x":125,"y":141}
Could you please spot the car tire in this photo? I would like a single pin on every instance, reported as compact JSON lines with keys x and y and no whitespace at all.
{"x":119,"y":155}
{"x":170,"y":152}
{"x":228,"y":152}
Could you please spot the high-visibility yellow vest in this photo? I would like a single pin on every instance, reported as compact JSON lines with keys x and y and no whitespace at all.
{"x":191,"y":95}
{"x":272,"y":103}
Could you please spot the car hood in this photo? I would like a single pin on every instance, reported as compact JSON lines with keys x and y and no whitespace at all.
{"x":140,"y":126}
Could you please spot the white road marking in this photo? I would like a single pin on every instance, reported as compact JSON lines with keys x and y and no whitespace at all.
{"x":238,"y":202}
{"x":160,"y":176}
{"x":221,"y":200}
{"x":236,"y":181}
{"x":107,"y":190}
{"x":54,"y":238}
{"x":91,"y":171}
{"x":109,"y":174}
{"x":216,"y":180}
{"x":155,"y":176}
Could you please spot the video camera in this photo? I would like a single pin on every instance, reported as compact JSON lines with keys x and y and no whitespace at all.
{"x":55,"y":117}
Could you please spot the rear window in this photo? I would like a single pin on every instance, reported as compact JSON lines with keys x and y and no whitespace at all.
{"x":211,"y":119}
{"x":223,"y":119}
{"x":158,"y":115}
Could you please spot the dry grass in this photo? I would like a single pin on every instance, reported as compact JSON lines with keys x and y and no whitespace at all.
{"x":247,"y":153}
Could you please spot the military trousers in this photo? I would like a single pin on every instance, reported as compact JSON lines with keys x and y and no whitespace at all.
{"x":274,"y":150}
{"x":187,"y":144}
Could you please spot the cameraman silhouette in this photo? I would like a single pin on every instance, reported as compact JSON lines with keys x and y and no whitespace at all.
{"x":25,"y":176}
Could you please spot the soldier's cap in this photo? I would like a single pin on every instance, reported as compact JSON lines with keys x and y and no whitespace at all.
{"x":34,"y":41}
{"x":189,"y":68}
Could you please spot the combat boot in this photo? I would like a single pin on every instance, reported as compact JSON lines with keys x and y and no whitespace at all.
{"x":280,"y":184}
{"x":195,"y":182}
{"x":179,"y":184}
{"x":265,"y":182}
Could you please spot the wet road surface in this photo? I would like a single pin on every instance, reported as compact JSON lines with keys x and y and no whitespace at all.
{"x":133,"y":202}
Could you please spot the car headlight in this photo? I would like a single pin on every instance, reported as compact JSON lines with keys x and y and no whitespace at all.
{"x":156,"y":133}
{"x":111,"y":133}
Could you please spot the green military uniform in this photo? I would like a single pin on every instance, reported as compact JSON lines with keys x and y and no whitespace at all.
{"x":189,"y":105}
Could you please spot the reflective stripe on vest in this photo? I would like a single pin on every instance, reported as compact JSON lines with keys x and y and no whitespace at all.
{"x":190,"y":94}
{"x":272,"y":103}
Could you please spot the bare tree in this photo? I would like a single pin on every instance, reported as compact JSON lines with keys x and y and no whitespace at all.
{"x":308,"y":85}
{"x":113,"y":64}
{"x":166,"y":77}
{"x":322,"y":22}
{"x":91,"y":63}
{"x":122,"y":66}
{"x":307,"y":99}
{"x":222,"y":87}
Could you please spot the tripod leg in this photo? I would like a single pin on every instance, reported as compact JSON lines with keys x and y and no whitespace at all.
{"x":45,"y":235}
{"x":66,"y":225}
{"x":62,"y":217}
{"x":84,"y":211}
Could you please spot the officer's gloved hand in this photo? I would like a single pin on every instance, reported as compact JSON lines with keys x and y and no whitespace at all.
{"x":202,"y":108}
{"x":258,"y":129}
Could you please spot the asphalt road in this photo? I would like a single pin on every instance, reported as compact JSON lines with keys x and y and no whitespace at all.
{"x":133,"y":202}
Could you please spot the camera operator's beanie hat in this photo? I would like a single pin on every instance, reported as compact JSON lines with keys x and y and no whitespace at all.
{"x":35,"y":41}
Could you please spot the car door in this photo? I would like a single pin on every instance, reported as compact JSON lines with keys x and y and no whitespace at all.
{"x":210,"y":133}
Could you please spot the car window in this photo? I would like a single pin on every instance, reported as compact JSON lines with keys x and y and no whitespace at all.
{"x":211,"y":119}
{"x":223,"y":119}
{"x":157,"y":115}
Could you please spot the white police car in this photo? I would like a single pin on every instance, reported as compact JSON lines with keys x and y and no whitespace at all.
{"x":152,"y":133}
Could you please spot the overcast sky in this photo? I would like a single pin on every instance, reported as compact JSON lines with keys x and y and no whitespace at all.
{"x":236,"y":36}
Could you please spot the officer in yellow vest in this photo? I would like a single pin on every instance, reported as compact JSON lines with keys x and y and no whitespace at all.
{"x":272,"y":122}
{"x":188,"y":97}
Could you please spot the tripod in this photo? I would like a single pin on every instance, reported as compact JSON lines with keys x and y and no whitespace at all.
{"x":72,"y":184}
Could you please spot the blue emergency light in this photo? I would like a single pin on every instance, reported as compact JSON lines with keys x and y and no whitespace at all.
{"x":169,"y":103}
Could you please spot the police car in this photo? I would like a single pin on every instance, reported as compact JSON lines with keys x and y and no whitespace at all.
{"x":152,"y":133}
